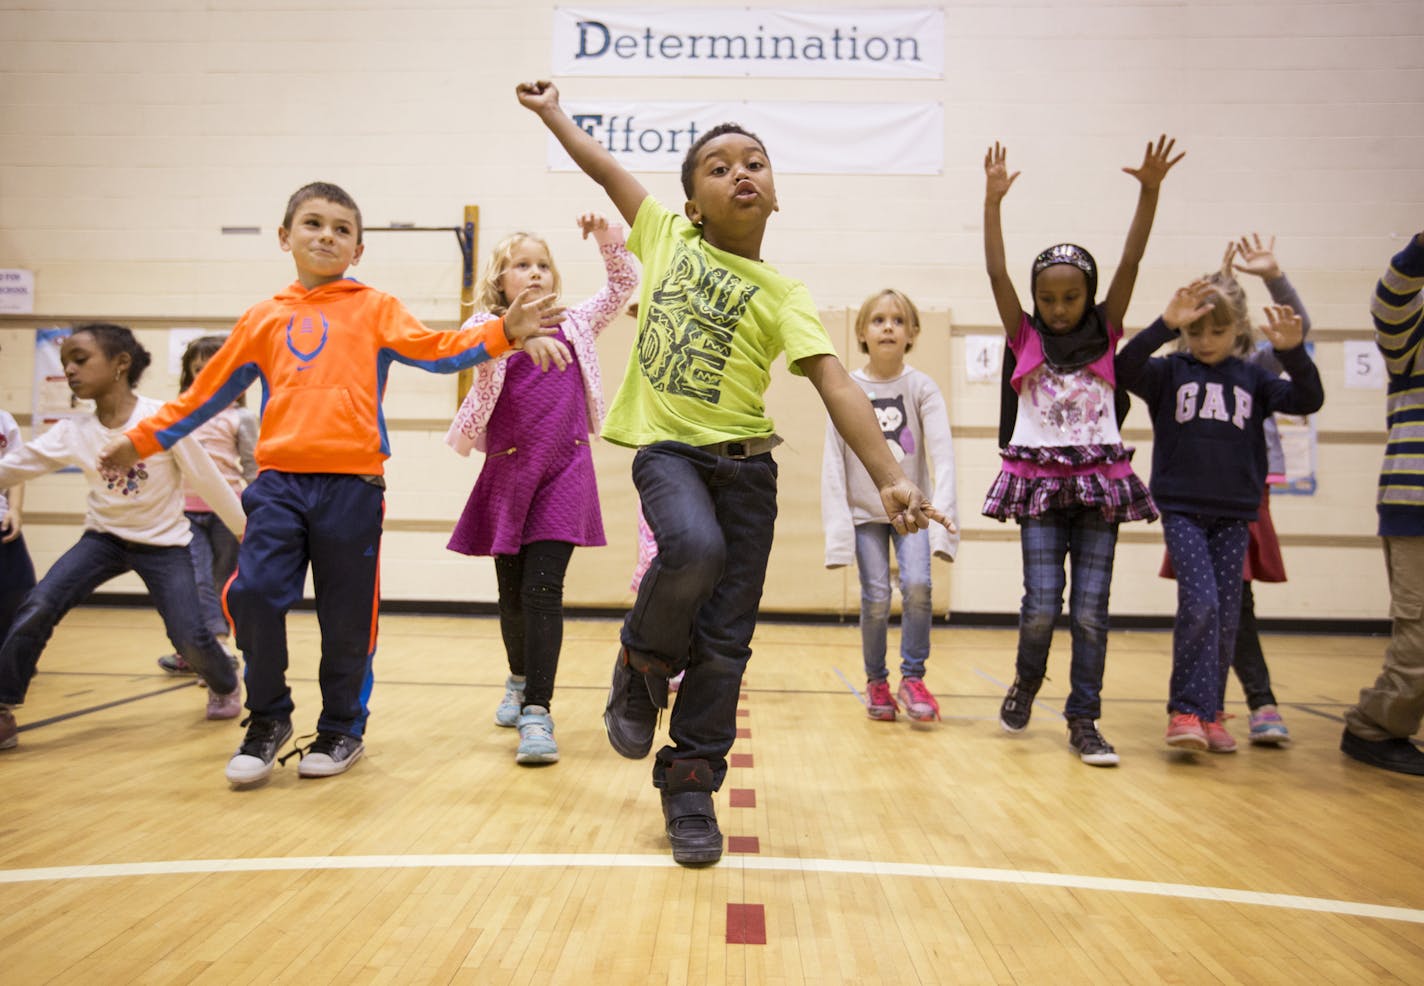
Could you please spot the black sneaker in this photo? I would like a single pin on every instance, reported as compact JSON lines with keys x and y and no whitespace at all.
{"x":1018,"y":704}
{"x":1088,"y":743}
{"x":1396,"y":754}
{"x":631,"y":716}
{"x":253,"y":760}
{"x":328,"y":755}
{"x":690,"y":819}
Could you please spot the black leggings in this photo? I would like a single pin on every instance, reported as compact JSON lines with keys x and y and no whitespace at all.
{"x":531,"y":614}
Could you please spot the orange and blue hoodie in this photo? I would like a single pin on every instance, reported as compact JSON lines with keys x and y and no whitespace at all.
{"x":323,"y":357}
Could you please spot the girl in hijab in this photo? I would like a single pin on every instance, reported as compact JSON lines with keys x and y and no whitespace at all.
{"x":1066,"y":477}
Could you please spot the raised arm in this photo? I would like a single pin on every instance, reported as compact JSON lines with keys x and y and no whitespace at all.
{"x":1156,"y":162}
{"x":626,"y":192}
{"x":997,"y":181}
{"x":1398,"y":309}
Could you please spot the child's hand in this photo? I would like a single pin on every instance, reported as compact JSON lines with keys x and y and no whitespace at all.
{"x":547,"y":352}
{"x":996,"y":173}
{"x":1156,"y":162}
{"x":1257,"y":258}
{"x":530,"y":316}
{"x":117,"y":458}
{"x":10,"y":526}
{"x":910,"y":510}
{"x":1283,"y":327}
{"x":591,"y":222}
{"x":537,"y":96}
{"x":1188,"y":304}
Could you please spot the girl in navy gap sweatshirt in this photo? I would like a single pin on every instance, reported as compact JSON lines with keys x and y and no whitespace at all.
{"x":1209,"y":409}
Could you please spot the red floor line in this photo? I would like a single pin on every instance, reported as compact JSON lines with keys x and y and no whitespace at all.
{"x":746,"y":924}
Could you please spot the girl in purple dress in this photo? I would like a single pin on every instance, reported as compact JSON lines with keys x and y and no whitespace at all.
{"x":536,"y":497}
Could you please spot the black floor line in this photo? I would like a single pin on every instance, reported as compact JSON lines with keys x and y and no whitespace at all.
{"x":100,"y":708}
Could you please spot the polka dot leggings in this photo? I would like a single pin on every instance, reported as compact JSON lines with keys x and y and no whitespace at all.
{"x":1207,"y":553}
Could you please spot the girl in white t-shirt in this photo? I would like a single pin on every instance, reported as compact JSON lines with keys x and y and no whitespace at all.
{"x":134,"y":522}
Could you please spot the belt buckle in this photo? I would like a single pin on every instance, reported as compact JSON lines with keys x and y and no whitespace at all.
{"x":735,"y":450}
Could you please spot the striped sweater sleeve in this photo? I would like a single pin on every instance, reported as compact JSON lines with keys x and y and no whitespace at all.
{"x":1398,"y":312}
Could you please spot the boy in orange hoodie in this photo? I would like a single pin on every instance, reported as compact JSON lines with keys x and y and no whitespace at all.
{"x":322,"y":349}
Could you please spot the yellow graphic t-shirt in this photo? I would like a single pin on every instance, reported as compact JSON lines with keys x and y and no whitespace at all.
{"x":710,"y":324}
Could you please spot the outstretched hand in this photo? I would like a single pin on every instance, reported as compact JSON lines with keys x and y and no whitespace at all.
{"x":530,"y":316}
{"x":997,"y":179}
{"x":591,"y":222}
{"x":1283,"y":327}
{"x":1189,"y":304}
{"x":1156,"y":162}
{"x":910,"y":510}
{"x":537,"y":96}
{"x":1255,"y":257}
{"x":118,"y":457}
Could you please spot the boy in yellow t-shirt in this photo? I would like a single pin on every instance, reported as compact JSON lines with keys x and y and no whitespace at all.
{"x":712,"y":318}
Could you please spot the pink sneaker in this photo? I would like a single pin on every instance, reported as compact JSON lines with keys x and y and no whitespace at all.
{"x":1185,"y":732}
{"x":879,"y":703}
{"x":919,"y":704}
{"x":1218,"y":740}
{"x":227,"y":706}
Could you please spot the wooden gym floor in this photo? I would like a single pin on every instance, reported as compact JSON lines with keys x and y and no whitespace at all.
{"x":865,"y":852}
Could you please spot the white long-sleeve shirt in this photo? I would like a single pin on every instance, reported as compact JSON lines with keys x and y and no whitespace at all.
{"x":916,"y":427}
{"x":146,"y":506}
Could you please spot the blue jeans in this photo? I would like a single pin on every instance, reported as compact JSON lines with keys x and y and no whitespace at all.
{"x":94,"y":560}
{"x":214,"y":551}
{"x":1207,"y":553}
{"x":872,"y":560}
{"x":17,"y":578}
{"x":1089,"y":543}
{"x":331,"y":522}
{"x":697,"y":604}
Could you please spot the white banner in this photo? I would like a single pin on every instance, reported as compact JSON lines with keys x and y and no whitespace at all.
{"x":827,"y":43}
{"x":802,"y":138}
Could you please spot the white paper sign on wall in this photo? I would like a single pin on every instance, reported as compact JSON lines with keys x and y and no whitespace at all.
{"x":982,"y":356}
{"x":1364,"y":366}
{"x":17,"y":291}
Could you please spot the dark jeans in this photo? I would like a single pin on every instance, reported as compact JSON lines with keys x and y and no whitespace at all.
{"x":331,"y":522}
{"x":214,"y":551}
{"x":1089,"y":543}
{"x":17,"y":578}
{"x":531,"y":614}
{"x":713,"y":519}
{"x":1250,"y":661}
{"x":94,"y":560}
{"x":1207,"y":553}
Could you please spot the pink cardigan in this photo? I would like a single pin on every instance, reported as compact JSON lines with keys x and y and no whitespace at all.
{"x":582,"y":325}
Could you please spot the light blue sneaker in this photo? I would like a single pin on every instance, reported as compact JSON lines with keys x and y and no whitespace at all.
{"x":536,"y":737}
{"x":508,"y":712}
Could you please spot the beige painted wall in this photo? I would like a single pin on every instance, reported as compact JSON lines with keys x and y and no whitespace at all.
{"x":132,"y":136}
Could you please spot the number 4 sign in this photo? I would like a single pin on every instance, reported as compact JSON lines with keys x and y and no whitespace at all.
{"x":1364,"y":366}
{"x":982,"y":355}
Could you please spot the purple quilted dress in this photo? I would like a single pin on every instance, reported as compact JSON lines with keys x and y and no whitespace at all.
{"x":537,"y":483}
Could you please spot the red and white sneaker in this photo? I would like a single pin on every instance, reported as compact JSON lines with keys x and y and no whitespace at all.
{"x":1218,"y":740}
{"x":1185,"y":732}
{"x":879,"y":703}
{"x":919,"y":704}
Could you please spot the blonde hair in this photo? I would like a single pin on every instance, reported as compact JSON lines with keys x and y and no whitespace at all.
{"x":907,"y":308}
{"x":1228,"y":307}
{"x":489,"y":296}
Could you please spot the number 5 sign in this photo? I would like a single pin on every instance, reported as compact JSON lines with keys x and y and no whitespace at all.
{"x":1364,"y":366}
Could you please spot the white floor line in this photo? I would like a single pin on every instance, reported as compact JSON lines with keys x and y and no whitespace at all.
{"x":624,"y":861}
